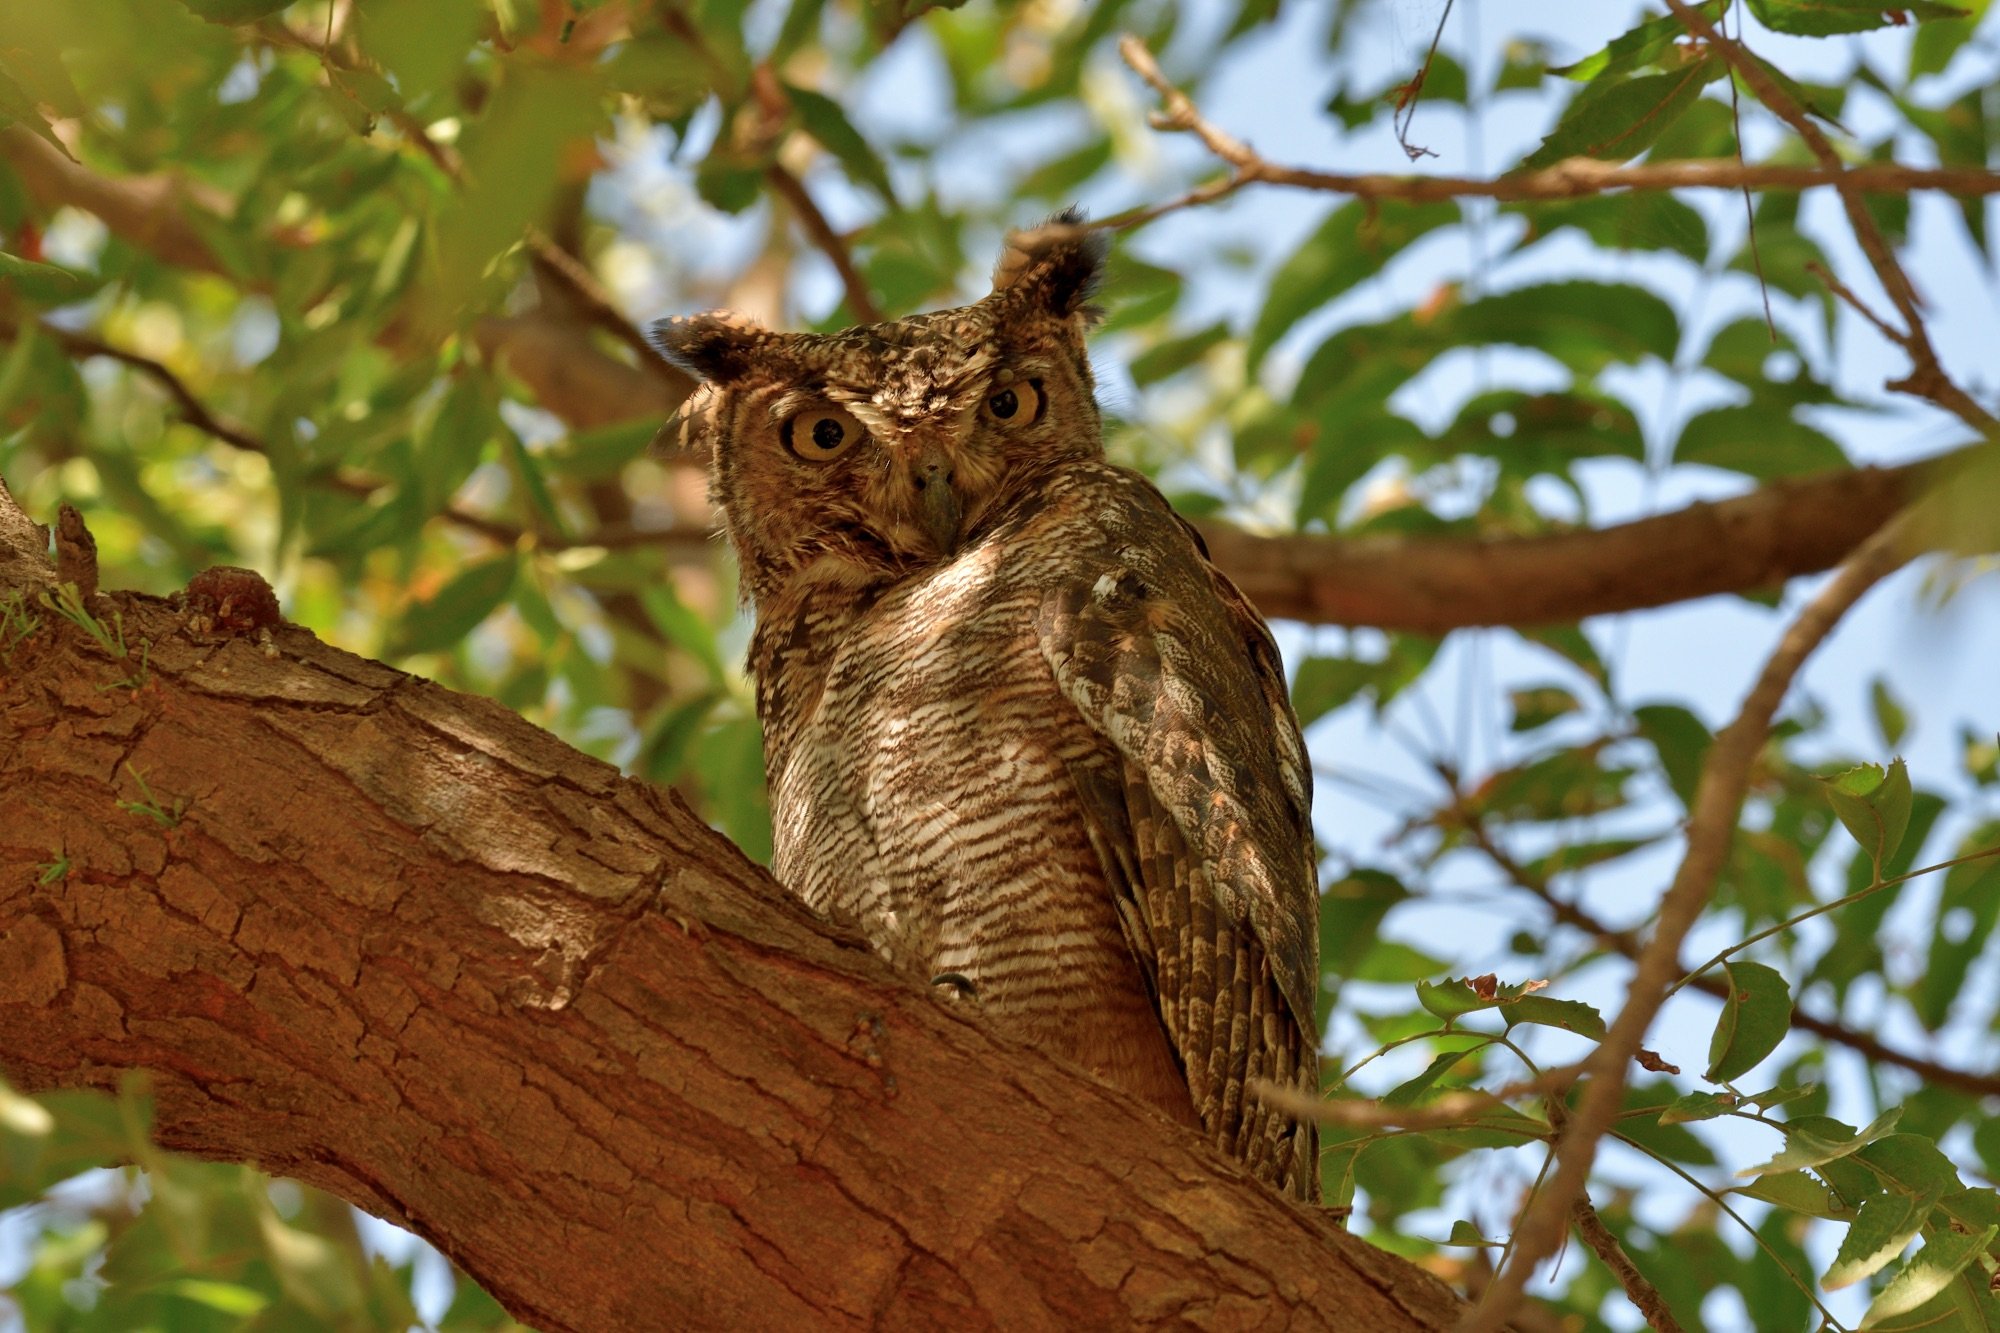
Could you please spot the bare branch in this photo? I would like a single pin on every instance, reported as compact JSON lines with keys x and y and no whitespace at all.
{"x":1725,"y":777}
{"x":1451,"y":1108}
{"x":1575,"y":178}
{"x":1643,"y":1294}
{"x":831,"y":243}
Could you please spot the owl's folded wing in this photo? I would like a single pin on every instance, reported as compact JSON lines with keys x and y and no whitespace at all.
{"x":1202,"y":817}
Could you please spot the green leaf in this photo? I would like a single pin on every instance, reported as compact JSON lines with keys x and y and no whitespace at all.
{"x":683,"y":628}
{"x":1937,"y":43}
{"x":1643,"y":1125}
{"x":513,"y":153}
{"x":1458,"y":996}
{"x":1826,"y":18}
{"x":1355,"y":242}
{"x":1410,"y":1091}
{"x":1881,"y":1231}
{"x":1543,"y":1011}
{"x":467,"y":420}
{"x":1174,"y":355}
{"x":442,"y":621}
{"x":44,"y":284}
{"x":18,"y":103}
{"x":1464,"y":1233}
{"x":423,"y":43}
{"x":826,"y":122}
{"x":1585,"y":325}
{"x":1351,"y":912}
{"x":1392,"y":962}
{"x":1892,"y":720}
{"x":223,"y":1297}
{"x":1944,"y":1256}
{"x":1967,"y":910}
{"x":1345,"y":449}
{"x":1573,"y":645}
{"x":1539,"y":705}
{"x":1817,"y":1140}
{"x":1759,"y":439}
{"x":1651,"y":220}
{"x":1875,"y":807}
{"x":235,"y":11}
{"x":1681,"y":740}
{"x":1798,"y":1192}
{"x":1617,"y":118}
{"x":1756,"y":1015}
{"x":1641,"y":48}
{"x":1699,"y":1106}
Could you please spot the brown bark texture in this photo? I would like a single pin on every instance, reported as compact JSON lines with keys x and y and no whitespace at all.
{"x":1431,"y":585}
{"x":396,"y":942}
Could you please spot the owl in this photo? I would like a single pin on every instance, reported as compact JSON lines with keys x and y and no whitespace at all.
{"x":1018,"y":730}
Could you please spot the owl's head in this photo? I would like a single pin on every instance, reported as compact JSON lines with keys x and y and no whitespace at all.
{"x":862,"y":456}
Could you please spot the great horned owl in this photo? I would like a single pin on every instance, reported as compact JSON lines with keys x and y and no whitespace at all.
{"x":1017,"y":728}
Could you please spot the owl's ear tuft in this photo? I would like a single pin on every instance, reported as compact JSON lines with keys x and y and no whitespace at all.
{"x":717,"y":346}
{"x":1056,"y":266}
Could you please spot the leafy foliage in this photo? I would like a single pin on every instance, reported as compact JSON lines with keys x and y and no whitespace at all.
{"x":350,"y":312}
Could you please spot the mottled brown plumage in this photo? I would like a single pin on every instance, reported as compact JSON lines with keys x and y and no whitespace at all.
{"x":1018,"y":730}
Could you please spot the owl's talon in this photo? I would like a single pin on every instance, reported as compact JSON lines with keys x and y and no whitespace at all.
{"x":957,"y":986}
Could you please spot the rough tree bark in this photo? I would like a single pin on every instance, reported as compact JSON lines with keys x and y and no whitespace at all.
{"x":396,"y":942}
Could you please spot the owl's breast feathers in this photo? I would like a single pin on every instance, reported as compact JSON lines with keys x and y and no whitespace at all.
{"x":1082,"y":722}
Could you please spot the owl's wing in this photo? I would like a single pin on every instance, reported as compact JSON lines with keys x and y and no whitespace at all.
{"x":1202,"y":818}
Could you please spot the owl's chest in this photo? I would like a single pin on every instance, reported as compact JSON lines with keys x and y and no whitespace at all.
{"x":911,"y":743}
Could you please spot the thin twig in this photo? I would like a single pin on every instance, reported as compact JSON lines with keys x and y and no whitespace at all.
{"x":1749,"y":213}
{"x":829,"y":242}
{"x":1452,"y":1108}
{"x":1642,"y":1293}
{"x":1571,"y":179}
{"x":1846,"y":294}
{"x":1627,"y":944}
{"x":193,"y":411}
{"x":1926,"y":378}
{"x":1725,"y":777}
{"x":1406,"y":101}
{"x":196,"y":413}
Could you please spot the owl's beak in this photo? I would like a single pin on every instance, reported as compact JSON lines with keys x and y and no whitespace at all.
{"x":938,"y":509}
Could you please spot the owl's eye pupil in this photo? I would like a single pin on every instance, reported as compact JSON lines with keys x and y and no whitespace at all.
{"x":1004,"y":404}
{"x":828,"y":433}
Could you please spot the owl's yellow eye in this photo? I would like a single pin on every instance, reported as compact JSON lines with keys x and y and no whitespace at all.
{"x":1017,"y":404}
{"x":821,"y":433}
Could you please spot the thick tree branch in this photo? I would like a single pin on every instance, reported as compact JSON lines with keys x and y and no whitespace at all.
{"x":1434,"y":584}
{"x":403,"y":946}
{"x":1712,"y":816}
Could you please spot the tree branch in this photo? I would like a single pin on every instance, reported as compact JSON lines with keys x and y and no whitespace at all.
{"x":1625,"y":942}
{"x":1571,"y":179}
{"x":1431,"y":585}
{"x":403,"y":946}
{"x":1725,"y":777}
{"x":1427,"y":585}
{"x":1642,"y":1293}
{"x":860,"y":300}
